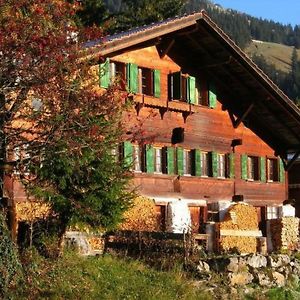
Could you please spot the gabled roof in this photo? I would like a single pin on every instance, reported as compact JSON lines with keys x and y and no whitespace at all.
{"x":197,"y":44}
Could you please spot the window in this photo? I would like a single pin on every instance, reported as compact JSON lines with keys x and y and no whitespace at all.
{"x":252,"y":168}
{"x":145,"y":81}
{"x":158,"y":160}
{"x":182,"y":87}
{"x":221,"y":165}
{"x":201,"y":92}
{"x":205,"y":164}
{"x":118,"y":73}
{"x":273,"y":212}
{"x":137,"y":158}
{"x":187,"y":169}
{"x":110,"y":72}
{"x":272,"y":169}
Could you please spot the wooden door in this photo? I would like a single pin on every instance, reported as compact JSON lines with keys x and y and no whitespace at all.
{"x":198,"y":218}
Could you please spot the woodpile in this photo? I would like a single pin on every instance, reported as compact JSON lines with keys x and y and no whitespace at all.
{"x":240,"y":216}
{"x":142,"y":216}
{"x":96,"y":243}
{"x":285,"y":233}
{"x":30,"y":211}
{"x":239,"y":230}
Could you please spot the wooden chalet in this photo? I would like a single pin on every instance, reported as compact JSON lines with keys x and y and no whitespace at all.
{"x":216,"y":128}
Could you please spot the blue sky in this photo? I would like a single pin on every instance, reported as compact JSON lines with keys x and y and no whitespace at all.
{"x":283,"y":11}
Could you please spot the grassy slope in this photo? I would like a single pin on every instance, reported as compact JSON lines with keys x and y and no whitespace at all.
{"x":277,"y":54}
{"x":73,"y":277}
{"x":111,"y":278}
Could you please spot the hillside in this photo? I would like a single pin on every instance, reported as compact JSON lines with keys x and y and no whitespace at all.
{"x":277,"y":54}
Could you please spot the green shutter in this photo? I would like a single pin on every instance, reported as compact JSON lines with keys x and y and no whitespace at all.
{"x":128,"y":153}
{"x":192,"y":90}
{"x":214,"y":162}
{"x":149,"y":159}
{"x":262,"y":167}
{"x":132,"y":77}
{"x":244,"y":166}
{"x":180,"y":161}
{"x":170,"y":160}
{"x":156,"y":80}
{"x":281,"y":171}
{"x":197,"y":162}
{"x":176,"y":86}
{"x":212,"y":95}
{"x":104,"y":74}
{"x":231,"y":166}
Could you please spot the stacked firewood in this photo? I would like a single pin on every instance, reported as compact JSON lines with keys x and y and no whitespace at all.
{"x":239,"y":230}
{"x":142,"y":216}
{"x":30,"y":211}
{"x":285,"y":233}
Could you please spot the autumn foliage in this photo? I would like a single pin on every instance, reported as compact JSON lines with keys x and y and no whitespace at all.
{"x":57,"y":129}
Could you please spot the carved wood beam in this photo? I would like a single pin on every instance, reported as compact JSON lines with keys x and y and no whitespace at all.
{"x":238,"y":120}
{"x":289,"y":163}
{"x":165,"y":46}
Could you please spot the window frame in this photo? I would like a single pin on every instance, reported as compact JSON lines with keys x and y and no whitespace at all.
{"x":222,"y":166}
{"x":273,"y":212}
{"x":205,"y":166}
{"x":272,"y":169}
{"x":145,"y":81}
{"x":253,"y":168}
{"x":118,"y":73}
{"x":187,"y":162}
{"x":158,"y":149}
{"x":137,"y":159}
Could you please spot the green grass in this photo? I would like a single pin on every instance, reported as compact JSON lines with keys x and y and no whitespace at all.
{"x":277,"y":54}
{"x":73,"y":277}
{"x":108,"y":277}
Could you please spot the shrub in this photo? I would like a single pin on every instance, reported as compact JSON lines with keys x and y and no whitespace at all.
{"x":9,"y":262}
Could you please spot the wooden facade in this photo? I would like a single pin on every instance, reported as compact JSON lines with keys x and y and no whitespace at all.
{"x":203,"y":105}
{"x":212,"y":126}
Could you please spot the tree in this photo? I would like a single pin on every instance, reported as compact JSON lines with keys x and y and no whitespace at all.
{"x":92,"y":12}
{"x":142,"y":12}
{"x":57,"y":131}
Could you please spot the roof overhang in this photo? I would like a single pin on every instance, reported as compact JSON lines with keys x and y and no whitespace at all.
{"x":197,"y":44}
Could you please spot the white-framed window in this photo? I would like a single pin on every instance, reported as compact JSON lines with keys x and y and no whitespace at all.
{"x":187,"y":167}
{"x":221,"y":165}
{"x":273,"y":212}
{"x":205,"y":164}
{"x":137,"y":158}
{"x":158,"y":156}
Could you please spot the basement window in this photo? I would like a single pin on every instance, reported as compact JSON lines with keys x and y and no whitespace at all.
{"x":273,"y":212}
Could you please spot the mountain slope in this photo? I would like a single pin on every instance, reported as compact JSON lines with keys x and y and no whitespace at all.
{"x":277,"y":54}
